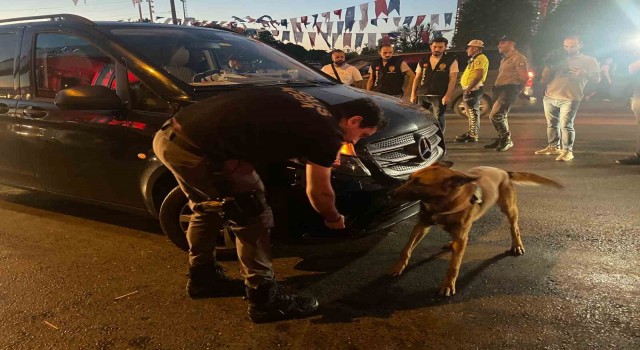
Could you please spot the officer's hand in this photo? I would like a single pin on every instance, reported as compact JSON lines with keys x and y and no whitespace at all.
{"x":335,"y":225}
{"x":446,"y":99}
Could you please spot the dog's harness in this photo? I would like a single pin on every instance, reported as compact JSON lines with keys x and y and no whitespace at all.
{"x":476,"y":198}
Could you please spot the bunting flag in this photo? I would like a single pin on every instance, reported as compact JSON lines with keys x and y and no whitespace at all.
{"x":396,"y":21}
{"x":386,"y":20}
{"x":349,"y":17}
{"x":419,"y":20}
{"x":283,"y":23}
{"x":274,"y":24}
{"x":297,"y":36}
{"x":315,"y":19}
{"x":319,"y":27}
{"x":166,"y":21}
{"x":364,"y":10}
{"x":304,"y":21}
{"x":334,"y":38}
{"x":275,"y":33}
{"x":325,"y":36}
{"x":312,"y":39}
{"x":75,"y":3}
{"x":338,"y":13}
{"x":359,"y":39}
{"x":340,"y":26}
{"x":435,"y":19}
{"x":329,"y":27}
{"x":374,"y":22}
{"x":346,"y":39}
{"x":394,"y":5}
{"x":371,"y":37}
{"x":447,"y":18}
{"x":238,"y":19}
{"x":407,"y":21}
{"x":285,"y":35}
{"x":381,"y":8}
{"x":251,"y":20}
{"x":326,"y":16}
{"x":295,"y":25}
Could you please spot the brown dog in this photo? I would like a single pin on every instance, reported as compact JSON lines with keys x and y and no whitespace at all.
{"x":455,"y":200}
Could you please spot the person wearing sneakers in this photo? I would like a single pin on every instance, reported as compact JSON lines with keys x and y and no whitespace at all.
{"x":512,"y":75}
{"x":634,"y":70}
{"x":471,"y":81}
{"x":566,"y":78}
{"x":232,"y":134}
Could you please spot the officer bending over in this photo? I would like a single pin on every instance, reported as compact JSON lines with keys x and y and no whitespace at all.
{"x":234,"y":133}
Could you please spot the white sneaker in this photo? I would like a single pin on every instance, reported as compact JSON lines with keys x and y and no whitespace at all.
{"x":549,"y":150}
{"x":565,"y":156}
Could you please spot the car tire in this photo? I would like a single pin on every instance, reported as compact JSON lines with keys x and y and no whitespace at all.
{"x":459,"y":107}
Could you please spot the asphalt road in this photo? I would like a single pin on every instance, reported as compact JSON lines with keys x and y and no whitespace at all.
{"x":63,"y":266}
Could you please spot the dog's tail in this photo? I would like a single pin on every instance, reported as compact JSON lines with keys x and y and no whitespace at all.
{"x":531,"y":179}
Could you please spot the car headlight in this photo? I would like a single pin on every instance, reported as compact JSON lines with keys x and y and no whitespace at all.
{"x":350,"y":164}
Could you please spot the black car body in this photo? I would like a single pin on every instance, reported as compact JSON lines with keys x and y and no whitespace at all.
{"x":70,"y":126}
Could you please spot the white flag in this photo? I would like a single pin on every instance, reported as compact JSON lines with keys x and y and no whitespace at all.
{"x":372,"y":40}
{"x":364,"y":9}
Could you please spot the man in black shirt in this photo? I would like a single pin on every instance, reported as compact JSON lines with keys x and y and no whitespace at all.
{"x":233,"y":133}
{"x":386,"y":75}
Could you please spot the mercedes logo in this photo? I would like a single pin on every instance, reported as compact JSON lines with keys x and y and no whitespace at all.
{"x":424,"y":148}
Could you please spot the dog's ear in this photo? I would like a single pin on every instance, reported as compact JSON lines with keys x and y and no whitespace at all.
{"x":459,"y":180}
{"x":444,"y":163}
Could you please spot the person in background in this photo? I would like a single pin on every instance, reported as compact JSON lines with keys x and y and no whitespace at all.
{"x":566,"y":81}
{"x":512,"y":76}
{"x":387,"y":74}
{"x":436,"y":76}
{"x":342,"y":71}
{"x":634,"y":70}
{"x":472,"y":81}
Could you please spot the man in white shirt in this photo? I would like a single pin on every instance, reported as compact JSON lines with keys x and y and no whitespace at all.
{"x":343,"y":72}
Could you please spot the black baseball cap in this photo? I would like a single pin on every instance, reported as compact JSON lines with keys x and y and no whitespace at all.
{"x":507,"y":38}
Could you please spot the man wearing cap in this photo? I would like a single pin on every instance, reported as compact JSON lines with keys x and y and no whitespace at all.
{"x":512,"y":75}
{"x":472,"y":80}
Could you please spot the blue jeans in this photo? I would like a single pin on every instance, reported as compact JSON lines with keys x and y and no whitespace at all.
{"x":560,"y":115}
{"x":434,"y":104}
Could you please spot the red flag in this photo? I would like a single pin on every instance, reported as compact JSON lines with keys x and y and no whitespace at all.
{"x":381,"y":7}
{"x":425,"y":36}
{"x":338,"y":13}
{"x":420,"y":19}
{"x":385,"y":38}
{"x":303,"y":20}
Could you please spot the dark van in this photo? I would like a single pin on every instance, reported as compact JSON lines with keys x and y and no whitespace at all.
{"x":412,"y":59}
{"x":80,"y":102}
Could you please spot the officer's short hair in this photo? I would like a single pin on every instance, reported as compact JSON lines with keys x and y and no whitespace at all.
{"x":336,"y":51}
{"x":365,"y":107}
{"x":385,"y":45}
{"x":441,"y":40}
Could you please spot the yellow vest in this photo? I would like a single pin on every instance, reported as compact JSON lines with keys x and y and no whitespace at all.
{"x":478,"y":62}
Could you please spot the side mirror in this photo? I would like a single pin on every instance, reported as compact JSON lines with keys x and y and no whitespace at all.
{"x":93,"y":98}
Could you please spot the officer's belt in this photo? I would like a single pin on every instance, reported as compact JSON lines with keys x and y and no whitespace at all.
{"x":180,"y":140}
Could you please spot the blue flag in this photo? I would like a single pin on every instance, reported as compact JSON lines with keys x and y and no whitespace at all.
{"x":394,"y":5}
{"x":350,"y":17}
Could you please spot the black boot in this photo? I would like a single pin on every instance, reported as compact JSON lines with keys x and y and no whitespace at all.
{"x":494,"y":144}
{"x":505,"y":144}
{"x":209,"y":281}
{"x":466,"y":137}
{"x":270,"y":302}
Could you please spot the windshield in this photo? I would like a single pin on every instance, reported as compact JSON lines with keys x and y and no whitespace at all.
{"x":201,"y":57}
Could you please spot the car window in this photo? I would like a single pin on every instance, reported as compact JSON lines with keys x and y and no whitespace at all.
{"x":8,"y":43}
{"x":200,"y":56}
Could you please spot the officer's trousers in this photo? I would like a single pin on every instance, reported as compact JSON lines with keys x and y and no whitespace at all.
{"x":194,"y":173}
{"x":504,"y":96}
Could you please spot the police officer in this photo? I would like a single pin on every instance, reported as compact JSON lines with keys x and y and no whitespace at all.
{"x":386,"y":75}
{"x":435,"y":80}
{"x":512,"y":75}
{"x":232,"y":134}
{"x":472,"y":81}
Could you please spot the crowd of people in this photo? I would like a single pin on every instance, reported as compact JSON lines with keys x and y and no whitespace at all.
{"x":564,"y":79}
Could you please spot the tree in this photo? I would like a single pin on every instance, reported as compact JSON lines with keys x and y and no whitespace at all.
{"x":267,"y":38}
{"x":488,"y":20}
{"x":604,"y":27}
{"x":410,"y":39}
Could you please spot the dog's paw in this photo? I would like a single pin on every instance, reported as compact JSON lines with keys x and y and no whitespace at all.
{"x":398,"y":268}
{"x":517,"y":250}
{"x":447,"y":291}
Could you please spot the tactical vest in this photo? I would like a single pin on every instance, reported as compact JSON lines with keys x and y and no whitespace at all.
{"x":435,"y":81}
{"x":388,"y":79}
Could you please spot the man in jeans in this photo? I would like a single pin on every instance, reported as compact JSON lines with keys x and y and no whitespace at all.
{"x":567,"y":78}
{"x":634,"y":70}
{"x":472,"y":80}
{"x":436,"y":76}
{"x":512,"y":75}
{"x":232,"y":134}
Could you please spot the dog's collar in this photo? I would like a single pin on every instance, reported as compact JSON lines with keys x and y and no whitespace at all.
{"x":476,"y":198}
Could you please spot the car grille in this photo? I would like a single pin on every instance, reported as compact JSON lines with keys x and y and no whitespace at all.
{"x":400,"y":156}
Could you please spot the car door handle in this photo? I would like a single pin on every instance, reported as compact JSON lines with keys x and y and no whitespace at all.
{"x":34,"y":112}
